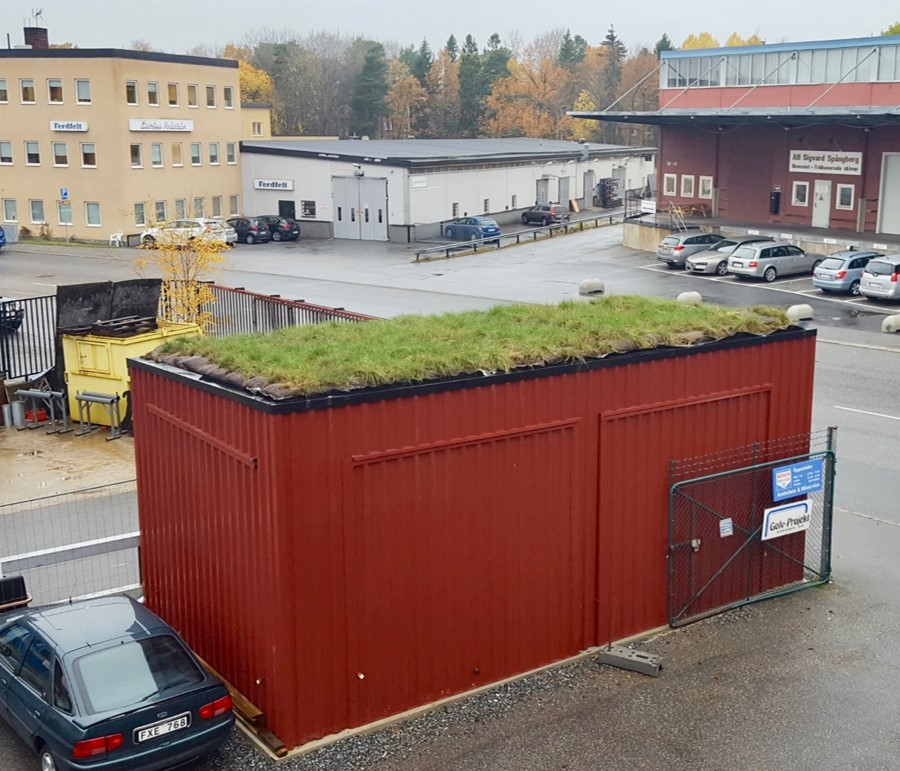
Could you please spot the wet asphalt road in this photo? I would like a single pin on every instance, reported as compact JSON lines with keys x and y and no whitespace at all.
{"x":803,"y":682}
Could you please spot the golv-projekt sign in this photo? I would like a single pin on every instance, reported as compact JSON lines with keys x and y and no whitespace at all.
{"x":786,"y":519}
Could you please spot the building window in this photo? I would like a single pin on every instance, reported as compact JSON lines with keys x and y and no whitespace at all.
{"x":153,"y":94}
{"x":180,"y":209}
{"x":195,"y":153}
{"x":687,"y":185}
{"x":10,"y":214}
{"x":844,"y":198}
{"x":54,"y":91}
{"x":217,"y":206}
{"x":706,"y":187}
{"x":230,"y":152}
{"x":173,"y":95}
{"x":37,"y":212}
{"x":156,"y":154}
{"x":4,"y":93}
{"x":192,"y":94}
{"x":177,"y":159}
{"x":27,"y":87}
{"x":800,"y":194}
{"x":6,"y":153}
{"x":514,"y":202}
{"x":198,"y":207}
{"x":64,"y":212}
{"x":32,"y":153}
{"x":136,"y":161}
{"x":670,"y":184}
{"x":89,"y":155}
{"x":140,"y":215}
{"x":214,"y":153}
{"x":454,"y":210}
{"x":131,"y":92}
{"x":60,"y":154}
{"x":160,"y":211}
{"x":232,"y":204}
{"x":308,"y":209}
{"x":257,"y":128}
{"x":83,"y":91}
{"x":210,"y":96}
{"x":92,"y":214}
{"x":228,"y":97}
{"x":487,"y":205}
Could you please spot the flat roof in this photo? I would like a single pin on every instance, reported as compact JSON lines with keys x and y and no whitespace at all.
{"x":768,"y":48}
{"x":113,"y":53}
{"x":439,"y":152}
{"x":723,"y":117}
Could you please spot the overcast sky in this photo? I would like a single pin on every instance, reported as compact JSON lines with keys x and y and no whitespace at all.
{"x":176,"y":26}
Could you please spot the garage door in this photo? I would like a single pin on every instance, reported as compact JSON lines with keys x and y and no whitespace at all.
{"x":360,"y":208}
{"x":889,"y":206}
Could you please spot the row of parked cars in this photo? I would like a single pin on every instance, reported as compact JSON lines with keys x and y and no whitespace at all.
{"x":854,"y":272}
{"x":249,"y":230}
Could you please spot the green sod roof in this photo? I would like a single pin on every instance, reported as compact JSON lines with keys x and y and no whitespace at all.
{"x":313,"y":359}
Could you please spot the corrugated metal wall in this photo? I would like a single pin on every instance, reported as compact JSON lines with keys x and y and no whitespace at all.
{"x":349,"y":563}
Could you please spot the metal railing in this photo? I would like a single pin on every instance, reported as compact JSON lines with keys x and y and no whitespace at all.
{"x":27,"y":336}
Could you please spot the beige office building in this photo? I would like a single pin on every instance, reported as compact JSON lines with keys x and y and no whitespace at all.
{"x":101,"y":141}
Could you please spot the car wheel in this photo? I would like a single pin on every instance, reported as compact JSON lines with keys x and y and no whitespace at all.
{"x":48,"y":762}
{"x":722,"y":268}
{"x":770,"y":274}
{"x":473,"y":236}
{"x":524,"y":220}
{"x":148,"y":241}
{"x":448,"y":232}
{"x":854,"y":288}
{"x":276,"y":236}
{"x":545,"y":222}
{"x":249,"y":239}
{"x":816,"y":264}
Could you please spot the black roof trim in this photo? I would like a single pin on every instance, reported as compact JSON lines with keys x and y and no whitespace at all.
{"x":723,"y":119}
{"x":113,"y":53}
{"x":334,"y":399}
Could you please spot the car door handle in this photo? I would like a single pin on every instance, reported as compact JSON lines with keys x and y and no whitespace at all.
{"x":36,"y":713}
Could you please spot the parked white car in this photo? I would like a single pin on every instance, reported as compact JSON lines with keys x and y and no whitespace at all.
{"x":181,"y":232}
{"x":768,"y":261}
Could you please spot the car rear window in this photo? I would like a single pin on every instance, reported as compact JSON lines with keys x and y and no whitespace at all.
{"x":725,"y":245}
{"x":881,"y":268}
{"x":832,"y":263}
{"x":744,"y":251}
{"x":671,"y":240}
{"x":143,"y":669}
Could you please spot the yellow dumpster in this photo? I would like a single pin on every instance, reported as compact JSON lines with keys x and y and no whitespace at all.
{"x":96,"y":363}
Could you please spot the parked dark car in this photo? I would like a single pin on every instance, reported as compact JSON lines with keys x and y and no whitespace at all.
{"x":250,"y":230}
{"x":281,"y":228}
{"x":12,"y":313}
{"x":545,"y":213}
{"x":472,"y":229}
{"x":107,"y":684}
{"x":2,"y":238}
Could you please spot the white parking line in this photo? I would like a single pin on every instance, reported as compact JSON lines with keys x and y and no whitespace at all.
{"x":866,"y":412}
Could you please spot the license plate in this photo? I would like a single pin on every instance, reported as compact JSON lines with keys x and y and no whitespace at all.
{"x":154,"y":731}
{"x":872,"y":284}
{"x":699,"y":266}
{"x":822,"y":274}
{"x":738,"y":264}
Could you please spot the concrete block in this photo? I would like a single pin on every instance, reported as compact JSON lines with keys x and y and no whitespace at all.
{"x":891,"y":324}
{"x":690,"y":297}
{"x":635,"y":661}
{"x":800,"y":312}
{"x":591,"y":286}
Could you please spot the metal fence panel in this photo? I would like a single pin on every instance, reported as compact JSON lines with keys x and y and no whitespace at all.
{"x":27,"y":348}
{"x":73,"y":544}
{"x":720,"y":555}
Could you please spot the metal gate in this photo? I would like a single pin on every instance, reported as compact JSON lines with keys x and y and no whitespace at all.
{"x":360,"y":208}
{"x":749,"y":524}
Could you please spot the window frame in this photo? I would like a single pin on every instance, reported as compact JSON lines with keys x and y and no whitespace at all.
{"x":198,"y":209}
{"x":180,"y":208}
{"x":140,"y":155}
{"x":687,"y":186}
{"x":210,"y":92}
{"x":256,"y":128}
{"x":153,"y":93}
{"x":85,"y":153}
{"x":233,"y":205}
{"x":10,"y":156}
{"x":4,"y":91}
{"x":177,"y":149}
{"x":670,"y":185}
{"x":131,"y":90}
{"x":156,"y":155}
{"x":213,"y":150}
{"x":38,"y":144}
{"x":15,"y":209}
{"x":198,"y":155}
{"x":31,"y":207}
{"x":50,"y":87}
{"x":231,"y":153}
{"x":844,"y":187}
{"x":67,"y":206}
{"x":22,"y":87}
{"x":140,"y":221}
{"x":706,"y":187}
{"x":172,"y":88}
{"x":228,"y":97}
{"x":159,"y":211}
{"x":192,"y":95}
{"x":87,"y":214}
{"x":78,"y":99}
{"x":217,"y":207}
{"x":796,"y":186}
{"x":54,"y":146}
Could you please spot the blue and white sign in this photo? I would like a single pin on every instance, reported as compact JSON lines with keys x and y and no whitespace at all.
{"x":64,"y":194}
{"x":786,"y":519}
{"x":802,"y":478}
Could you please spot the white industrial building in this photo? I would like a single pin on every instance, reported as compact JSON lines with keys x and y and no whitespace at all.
{"x":404,"y":190}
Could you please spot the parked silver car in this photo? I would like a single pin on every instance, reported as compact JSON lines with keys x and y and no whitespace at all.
{"x":881,"y":278}
{"x":715,"y":260}
{"x":842,"y":271}
{"x":681,"y":244}
{"x":768,"y":261}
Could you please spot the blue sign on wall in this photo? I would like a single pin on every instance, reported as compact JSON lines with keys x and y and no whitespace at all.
{"x":808,"y":476}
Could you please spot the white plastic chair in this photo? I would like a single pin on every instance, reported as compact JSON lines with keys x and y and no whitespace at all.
{"x":117,"y":239}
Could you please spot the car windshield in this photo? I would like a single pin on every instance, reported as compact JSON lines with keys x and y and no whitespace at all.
{"x":725,"y":246}
{"x":215,"y":226}
{"x":879,"y":268}
{"x":832,"y":263}
{"x":490,"y":223}
{"x":143,"y":669}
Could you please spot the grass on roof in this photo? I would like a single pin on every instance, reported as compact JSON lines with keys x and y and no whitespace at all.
{"x":312,"y":359}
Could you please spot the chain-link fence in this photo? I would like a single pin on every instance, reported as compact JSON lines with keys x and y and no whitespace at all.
{"x":73,"y":544}
{"x":750,"y":523}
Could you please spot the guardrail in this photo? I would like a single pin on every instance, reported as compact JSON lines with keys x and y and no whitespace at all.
{"x":532,"y":234}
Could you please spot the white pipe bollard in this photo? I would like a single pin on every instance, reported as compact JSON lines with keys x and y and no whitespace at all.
{"x":694,"y":298}
{"x":891,"y":324}
{"x":591,"y":286}
{"x":800,"y":312}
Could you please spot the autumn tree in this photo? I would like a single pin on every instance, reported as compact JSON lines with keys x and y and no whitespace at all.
{"x":703,"y":40}
{"x":255,"y":84}
{"x":406,"y":98}
{"x":736,"y":40}
{"x":894,"y":29}
{"x":442,"y":84}
{"x":639,"y":92}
